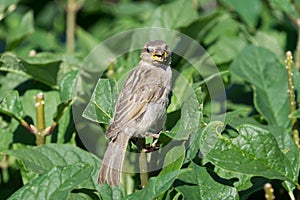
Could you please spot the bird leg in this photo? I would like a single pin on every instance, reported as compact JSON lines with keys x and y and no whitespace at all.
{"x":155,"y":144}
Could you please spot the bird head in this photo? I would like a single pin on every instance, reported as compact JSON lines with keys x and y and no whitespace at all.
{"x":156,"y":52}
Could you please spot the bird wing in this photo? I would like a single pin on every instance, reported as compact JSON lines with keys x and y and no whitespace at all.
{"x":132,"y":104}
{"x":133,"y":100}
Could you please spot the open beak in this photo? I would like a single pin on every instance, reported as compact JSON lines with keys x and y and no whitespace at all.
{"x":159,"y":56}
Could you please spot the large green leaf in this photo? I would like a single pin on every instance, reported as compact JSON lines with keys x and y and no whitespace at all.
{"x":242,"y":8}
{"x":111,"y":193}
{"x":198,"y":184}
{"x":285,"y":6}
{"x":56,"y":183}
{"x":170,"y":16}
{"x":254,"y":152}
{"x":43,"y":158}
{"x":42,"y":67}
{"x":157,"y":185}
{"x":173,"y":159}
{"x":101,"y":106}
{"x":11,"y":105}
{"x":9,"y":82}
{"x":20,"y":32}
{"x":261,"y":68}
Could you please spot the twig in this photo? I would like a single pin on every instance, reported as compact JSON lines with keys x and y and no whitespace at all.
{"x":297,"y":60}
{"x":142,"y":162}
{"x":72,"y":8}
{"x":40,"y":119}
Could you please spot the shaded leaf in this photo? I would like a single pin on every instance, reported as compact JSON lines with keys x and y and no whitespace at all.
{"x":61,"y":109}
{"x":11,"y":106}
{"x":67,"y":86}
{"x":250,"y":16}
{"x":6,"y":139}
{"x":43,"y":158}
{"x":284,"y":6}
{"x":169,"y":16}
{"x":101,"y":106}
{"x":253,"y":152}
{"x":21,"y":32}
{"x":261,"y":67}
{"x":157,"y":185}
{"x":173,"y":159}
{"x":55,"y":184}
{"x":198,"y":184}
{"x":111,"y":193}
{"x":42,"y":67}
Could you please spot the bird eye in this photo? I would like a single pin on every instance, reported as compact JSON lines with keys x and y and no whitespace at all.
{"x":148,"y":50}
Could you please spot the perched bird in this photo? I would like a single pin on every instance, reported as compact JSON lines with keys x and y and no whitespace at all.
{"x":140,"y":108}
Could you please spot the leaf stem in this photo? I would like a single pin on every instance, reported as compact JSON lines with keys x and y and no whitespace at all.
{"x":72,"y":8}
{"x":40,"y":119}
{"x":142,"y":162}
{"x":297,"y":60}
{"x":291,"y":93}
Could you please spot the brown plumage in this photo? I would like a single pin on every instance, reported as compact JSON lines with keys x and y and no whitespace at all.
{"x":141,"y":105}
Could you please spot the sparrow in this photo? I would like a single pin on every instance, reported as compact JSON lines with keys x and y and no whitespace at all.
{"x":140,"y":109}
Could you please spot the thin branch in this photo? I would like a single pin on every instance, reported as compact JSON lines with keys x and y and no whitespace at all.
{"x":40,"y":119}
{"x":297,"y":60}
{"x":142,"y":162}
{"x":72,"y":8}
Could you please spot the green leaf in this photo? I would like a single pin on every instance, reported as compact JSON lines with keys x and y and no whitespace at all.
{"x":6,"y":7}
{"x":111,"y":193}
{"x":253,"y":152}
{"x":101,"y":106}
{"x":43,"y":158}
{"x":11,"y":106}
{"x":61,"y":109}
{"x":9,"y":82}
{"x":42,"y":67}
{"x":198,"y":184}
{"x":191,"y":113}
{"x":285,"y":6}
{"x":67,"y":86}
{"x":55,"y":184}
{"x":173,"y":159}
{"x":6,"y":139}
{"x":22,"y":31}
{"x":86,"y":40}
{"x":223,"y":25}
{"x":157,"y":185}
{"x":250,"y":16}
{"x":260,"y":67}
{"x":230,"y":45}
{"x":170,"y":16}
{"x":271,"y":41}
{"x":295,"y":114}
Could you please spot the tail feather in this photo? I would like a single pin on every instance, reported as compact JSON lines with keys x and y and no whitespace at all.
{"x":112,"y":162}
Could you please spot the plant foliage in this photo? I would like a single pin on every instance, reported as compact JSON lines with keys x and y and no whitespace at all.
{"x":251,"y":142}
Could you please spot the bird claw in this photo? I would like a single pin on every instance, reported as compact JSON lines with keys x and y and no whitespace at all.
{"x":155,"y":145}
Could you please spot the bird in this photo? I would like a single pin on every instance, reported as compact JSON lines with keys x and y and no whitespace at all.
{"x":140,"y":108}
